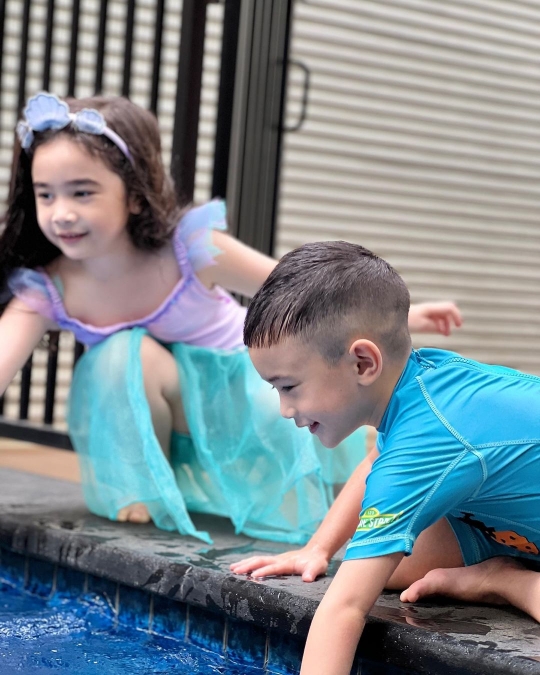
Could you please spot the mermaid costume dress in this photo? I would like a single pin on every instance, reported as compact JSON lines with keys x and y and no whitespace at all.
{"x":242,"y":460}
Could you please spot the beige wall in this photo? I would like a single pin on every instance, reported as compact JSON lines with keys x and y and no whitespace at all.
{"x":422,"y":142}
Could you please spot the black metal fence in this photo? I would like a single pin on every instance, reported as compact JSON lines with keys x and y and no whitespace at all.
{"x":249,"y":126}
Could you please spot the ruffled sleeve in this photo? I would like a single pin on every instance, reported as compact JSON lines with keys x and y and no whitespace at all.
{"x":195,"y":232}
{"x":31,"y":288}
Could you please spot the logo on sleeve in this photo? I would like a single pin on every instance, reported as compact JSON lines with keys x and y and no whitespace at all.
{"x":371,"y":519}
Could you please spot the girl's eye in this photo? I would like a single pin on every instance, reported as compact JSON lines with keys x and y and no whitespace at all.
{"x":83,"y":193}
{"x":44,"y":195}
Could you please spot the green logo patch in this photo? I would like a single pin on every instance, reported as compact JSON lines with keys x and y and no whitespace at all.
{"x":371,"y":519}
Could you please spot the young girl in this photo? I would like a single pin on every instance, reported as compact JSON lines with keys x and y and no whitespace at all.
{"x":166,"y":411}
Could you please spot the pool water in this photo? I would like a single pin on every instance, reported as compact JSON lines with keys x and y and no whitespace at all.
{"x":82,"y":636}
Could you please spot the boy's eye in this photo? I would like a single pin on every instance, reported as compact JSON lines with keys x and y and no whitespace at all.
{"x":83,"y":193}
{"x":286,"y":388}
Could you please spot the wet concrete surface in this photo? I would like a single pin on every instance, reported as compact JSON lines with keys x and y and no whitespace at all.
{"x":47,"y":518}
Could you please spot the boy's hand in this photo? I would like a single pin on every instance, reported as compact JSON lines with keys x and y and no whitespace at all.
{"x":309,"y":562}
{"x":434,"y":317}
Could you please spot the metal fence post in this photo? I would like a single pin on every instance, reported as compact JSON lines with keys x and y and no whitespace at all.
{"x":257,"y":125}
{"x":188,"y":97}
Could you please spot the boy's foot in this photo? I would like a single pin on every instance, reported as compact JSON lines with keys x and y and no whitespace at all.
{"x":476,"y":583}
{"x":134,"y":513}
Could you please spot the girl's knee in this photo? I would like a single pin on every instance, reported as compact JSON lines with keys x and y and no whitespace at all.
{"x":159,"y":367}
{"x":155,"y":358}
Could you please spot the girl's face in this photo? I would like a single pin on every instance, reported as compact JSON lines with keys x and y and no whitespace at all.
{"x":82,"y":206}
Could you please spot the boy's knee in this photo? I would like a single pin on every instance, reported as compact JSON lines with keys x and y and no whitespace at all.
{"x":404,"y":575}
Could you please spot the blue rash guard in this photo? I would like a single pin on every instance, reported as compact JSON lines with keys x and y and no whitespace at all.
{"x":461,"y":440}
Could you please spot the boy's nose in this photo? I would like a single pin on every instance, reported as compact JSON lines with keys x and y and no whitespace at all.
{"x":287,"y":411}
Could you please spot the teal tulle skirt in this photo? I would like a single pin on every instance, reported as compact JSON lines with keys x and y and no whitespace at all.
{"x":242,"y":460}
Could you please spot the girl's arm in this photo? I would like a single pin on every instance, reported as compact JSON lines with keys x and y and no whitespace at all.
{"x":238,"y":268}
{"x":21,"y":329}
{"x":243,"y":270}
{"x":434,"y":317}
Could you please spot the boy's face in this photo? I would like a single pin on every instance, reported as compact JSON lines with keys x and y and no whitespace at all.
{"x":326,"y":398}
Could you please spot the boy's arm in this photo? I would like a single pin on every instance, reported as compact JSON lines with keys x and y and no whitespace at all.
{"x":337,"y":527}
{"x":21,"y":329}
{"x":340,"y":618}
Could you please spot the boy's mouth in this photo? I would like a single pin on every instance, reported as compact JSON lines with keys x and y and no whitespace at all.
{"x":313,"y":427}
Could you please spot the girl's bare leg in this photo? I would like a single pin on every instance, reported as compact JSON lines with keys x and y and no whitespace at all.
{"x":162,"y":388}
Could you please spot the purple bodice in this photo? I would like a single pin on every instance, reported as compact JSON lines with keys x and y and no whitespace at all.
{"x":191,"y":313}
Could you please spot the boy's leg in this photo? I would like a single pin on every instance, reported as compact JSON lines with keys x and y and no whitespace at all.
{"x":162,"y":388}
{"x":436,"y":568}
{"x":500,"y":581}
{"x":436,"y":547}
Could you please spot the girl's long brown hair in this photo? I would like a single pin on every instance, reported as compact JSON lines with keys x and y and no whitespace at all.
{"x":22,"y":244}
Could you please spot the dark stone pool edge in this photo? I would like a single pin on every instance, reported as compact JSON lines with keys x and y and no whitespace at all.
{"x":279,"y":610}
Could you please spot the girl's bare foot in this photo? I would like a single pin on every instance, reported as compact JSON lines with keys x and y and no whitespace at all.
{"x":484,"y":582}
{"x":134,"y":513}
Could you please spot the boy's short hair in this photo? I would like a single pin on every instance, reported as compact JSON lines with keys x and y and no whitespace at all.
{"x":330,"y":293}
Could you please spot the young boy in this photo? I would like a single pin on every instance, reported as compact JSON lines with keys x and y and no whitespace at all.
{"x":456,"y":473}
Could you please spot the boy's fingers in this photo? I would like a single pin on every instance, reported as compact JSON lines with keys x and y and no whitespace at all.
{"x":277,"y":569}
{"x":313,"y":571}
{"x":249,"y":564}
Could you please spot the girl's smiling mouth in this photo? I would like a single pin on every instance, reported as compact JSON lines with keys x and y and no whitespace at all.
{"x":72,"y":238}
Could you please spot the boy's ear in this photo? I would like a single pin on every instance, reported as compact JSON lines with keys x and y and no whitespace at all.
{"x":368,"y":361}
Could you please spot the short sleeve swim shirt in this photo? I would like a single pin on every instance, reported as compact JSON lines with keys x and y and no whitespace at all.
{"x":460,"y":439}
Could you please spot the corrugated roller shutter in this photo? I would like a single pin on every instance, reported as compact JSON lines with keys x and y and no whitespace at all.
{"x":143,"y":45}
{"x":422,"y":143}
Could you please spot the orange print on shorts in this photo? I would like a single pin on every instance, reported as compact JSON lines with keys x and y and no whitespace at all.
{"x":506,"y":538}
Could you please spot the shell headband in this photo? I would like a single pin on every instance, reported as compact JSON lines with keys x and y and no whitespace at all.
{"x":46,"y":111}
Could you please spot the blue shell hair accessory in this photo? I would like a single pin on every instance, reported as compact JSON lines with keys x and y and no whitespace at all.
{"x":46,"y":111}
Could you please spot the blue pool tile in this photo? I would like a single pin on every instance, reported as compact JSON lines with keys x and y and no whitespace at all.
{"x":40,"y":577}
{"x":246,"y":642}
{"x":69,"y":582}
{"x":285,"y":653}
{"x":13,"y":566}
{"x":133,"y":607}
{"x":103,"y":587}
{"x":169,"y":617}
{"x":206,"y":629}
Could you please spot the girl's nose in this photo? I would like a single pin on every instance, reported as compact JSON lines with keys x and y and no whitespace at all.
{"x":63,"y":213}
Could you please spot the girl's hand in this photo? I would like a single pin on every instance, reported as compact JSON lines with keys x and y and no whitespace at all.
{"x":309,"y":562}
{"x":434,"y":317}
